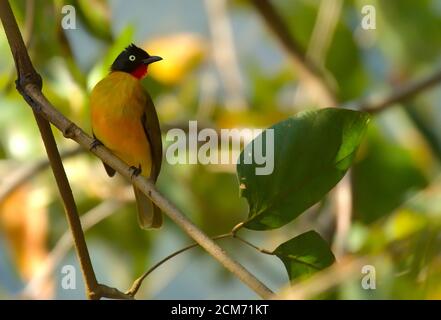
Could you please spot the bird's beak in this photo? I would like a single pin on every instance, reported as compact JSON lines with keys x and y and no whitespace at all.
{"x":151,"y":59}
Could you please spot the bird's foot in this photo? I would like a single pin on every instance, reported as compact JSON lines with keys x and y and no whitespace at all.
{"x":136,"y":171}
{"x":95,"y":143}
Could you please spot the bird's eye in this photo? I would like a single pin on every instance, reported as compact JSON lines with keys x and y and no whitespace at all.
{"x":132,"y":57}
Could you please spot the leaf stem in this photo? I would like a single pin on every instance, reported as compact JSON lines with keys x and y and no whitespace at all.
{"x":138,"y":282}
{"x":262,"y":250}
{"x":236,"y":228}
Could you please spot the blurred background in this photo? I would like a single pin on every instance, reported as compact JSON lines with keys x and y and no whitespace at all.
{"x":223,"y":67}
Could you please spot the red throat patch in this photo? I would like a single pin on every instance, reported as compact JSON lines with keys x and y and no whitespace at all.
{"x":140,"y":72}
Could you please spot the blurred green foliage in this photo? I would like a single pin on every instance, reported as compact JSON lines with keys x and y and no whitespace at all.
{"x":381,"y":156}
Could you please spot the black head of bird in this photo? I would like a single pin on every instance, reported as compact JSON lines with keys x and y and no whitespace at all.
{"x":134,"y":60}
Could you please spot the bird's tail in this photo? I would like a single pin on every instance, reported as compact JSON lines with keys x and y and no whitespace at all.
{"x":149,"y":215}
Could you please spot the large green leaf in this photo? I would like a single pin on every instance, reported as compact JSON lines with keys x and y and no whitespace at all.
{"x":312,"y":152}
{"x":305,"y":254}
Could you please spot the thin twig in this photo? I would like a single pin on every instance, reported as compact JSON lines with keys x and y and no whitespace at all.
{"x":308,"y":71}
{"x":224,"y":53}
{"x":69,"y":204}
{"x":65,"y":243}
{"x":377,"y":103}
{"x":262,"y":250}
{"x":233,"y":234}
{"x":237,"y":227}
{"x":372,"y":104}
{"x":343,"y":212}
{"x":20,"y":176}
{"x":321,"y":38}
{"x":138,"y":282}
{"x":324,"y":28}
{"x":31,"y":91}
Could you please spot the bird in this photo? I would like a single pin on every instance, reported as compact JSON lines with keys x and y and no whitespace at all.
{"x":124,"y":120}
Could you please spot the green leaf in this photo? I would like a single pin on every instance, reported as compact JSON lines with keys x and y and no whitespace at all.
{"x":305,"y":254}
{"x":312,"y":152}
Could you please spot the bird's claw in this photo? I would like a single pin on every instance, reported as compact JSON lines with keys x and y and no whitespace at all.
{"x":95,"y":143}
{"x":136,"y":171}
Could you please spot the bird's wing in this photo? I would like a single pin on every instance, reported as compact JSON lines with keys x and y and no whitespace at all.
{"x":110,"y":171}
{"x":152,"y":130}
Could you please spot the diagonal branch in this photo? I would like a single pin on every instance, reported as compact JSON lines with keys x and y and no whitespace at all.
{"x":377,"y":103}
{"x":307,"y":70}
{"x":232,"y":234}
{"x":138,"y":282}
{"x":22,"y":175}
{"x":65,"y":243}
{"x":29,"y":85}
{"x":224,"y":53}
{"x":372,"y":104}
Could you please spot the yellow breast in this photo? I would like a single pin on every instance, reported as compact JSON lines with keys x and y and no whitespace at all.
{"x":117,"y":104}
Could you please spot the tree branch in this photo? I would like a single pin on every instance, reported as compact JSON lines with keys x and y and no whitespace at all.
{"x":307,"y":70}
{"x":224,"y":53}
{"x":138,"y":282}
{"x":69,"y":204}
{"x":65,"y":243}
{"x":29,"y":85}
{"x":261,"y":250}
{"x":23,"y":174}
{"x":324,"y":29}
{"x":377,"y":103}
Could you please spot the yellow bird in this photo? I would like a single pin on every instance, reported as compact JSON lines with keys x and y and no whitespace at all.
{"x":124,"y":119}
